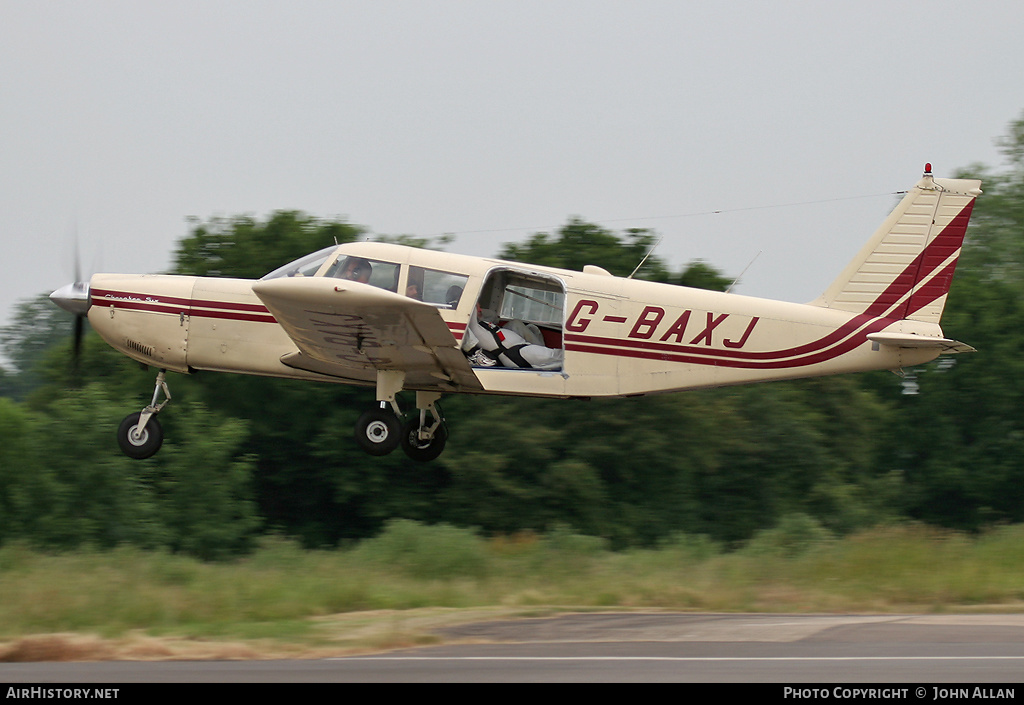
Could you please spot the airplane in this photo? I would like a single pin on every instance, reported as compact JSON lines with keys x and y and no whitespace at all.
{"x":398,"y":318}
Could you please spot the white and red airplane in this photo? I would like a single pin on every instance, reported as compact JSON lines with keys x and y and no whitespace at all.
{"x":399,"y":318}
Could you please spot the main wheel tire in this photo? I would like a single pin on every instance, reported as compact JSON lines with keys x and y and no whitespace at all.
{"x":148,"y":442}
{"x":419,"y":450}
{"x":378,"y":431}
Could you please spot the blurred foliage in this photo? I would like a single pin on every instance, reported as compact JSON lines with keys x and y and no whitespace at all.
{"x":246,"y":248}
{"x":995,"y":242}
{"x":36,"y":326}
{"x":426,"y":551}
{"x":961,"y":447}
{"x":63,"y":484}
{"x":579,"y":243}
{"x":790,"y":464}
{"x":340,"y":599}
{"x":701,"y":275}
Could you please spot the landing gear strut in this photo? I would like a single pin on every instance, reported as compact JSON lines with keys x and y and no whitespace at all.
{"x":380,"y":430}
{"x":140,"y":435}
{"x":421,"y":441}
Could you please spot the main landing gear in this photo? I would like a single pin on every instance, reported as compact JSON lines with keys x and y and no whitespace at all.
{"x":140,"y":435}
{"x":381,"y":430}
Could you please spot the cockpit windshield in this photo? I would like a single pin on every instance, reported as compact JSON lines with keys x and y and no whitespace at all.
{"x":304,"y":266}
{"x":383,"y":275}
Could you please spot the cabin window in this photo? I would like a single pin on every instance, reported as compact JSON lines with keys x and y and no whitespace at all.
{"x":525,"y":296}
{"x":528,"y":303}
{"x":383,"y":275}
{"x":435,"y":287}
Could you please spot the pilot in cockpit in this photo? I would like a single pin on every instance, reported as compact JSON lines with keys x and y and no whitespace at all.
{"x":356,"y":269}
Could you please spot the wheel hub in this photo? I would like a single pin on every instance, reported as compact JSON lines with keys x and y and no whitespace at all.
{"x":377,"y":431}
{"x":138,"y":437}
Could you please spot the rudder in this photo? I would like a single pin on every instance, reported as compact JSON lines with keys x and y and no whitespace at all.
{"x":905,"y":269}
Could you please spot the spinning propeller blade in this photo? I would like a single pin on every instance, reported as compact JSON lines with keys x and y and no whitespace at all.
{"x":74,"y":298}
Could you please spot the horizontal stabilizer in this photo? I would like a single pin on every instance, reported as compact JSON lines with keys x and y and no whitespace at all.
{"x":910,"y":340}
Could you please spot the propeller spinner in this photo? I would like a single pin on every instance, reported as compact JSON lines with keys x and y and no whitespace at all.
{"x":73,"y":298}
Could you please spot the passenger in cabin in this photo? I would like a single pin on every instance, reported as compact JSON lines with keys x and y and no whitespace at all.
{"x":453,"y":295}
{"x":414,"y":287}
{"x":502,"y":345}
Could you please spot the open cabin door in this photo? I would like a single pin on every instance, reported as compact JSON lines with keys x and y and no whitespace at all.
{"x":518,"y":322}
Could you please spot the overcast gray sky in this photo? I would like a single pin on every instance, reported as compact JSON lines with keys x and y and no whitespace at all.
{"x":491,"y":119}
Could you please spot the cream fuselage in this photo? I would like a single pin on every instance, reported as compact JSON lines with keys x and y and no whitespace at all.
{"x":620,"y":336}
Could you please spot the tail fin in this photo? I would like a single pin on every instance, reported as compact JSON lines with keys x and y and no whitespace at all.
{"x":906,"y":268}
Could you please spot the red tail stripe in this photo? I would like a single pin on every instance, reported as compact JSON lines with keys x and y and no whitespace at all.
{"x":945,"y":244}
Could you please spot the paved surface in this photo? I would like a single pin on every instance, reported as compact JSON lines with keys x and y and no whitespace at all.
{"x":919,"y":651}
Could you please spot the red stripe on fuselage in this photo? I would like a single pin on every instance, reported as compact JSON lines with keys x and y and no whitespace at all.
{"x":203,"y":308}
{"x":832,"y":338}
{"x":233,"y":316}
{"x":898,"y":301}
{"x":458,"y":330}
{"x":843,"y":339}
{"x":762,"y":361}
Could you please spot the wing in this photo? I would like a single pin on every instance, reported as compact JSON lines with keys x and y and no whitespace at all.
{"x":348,"y":329}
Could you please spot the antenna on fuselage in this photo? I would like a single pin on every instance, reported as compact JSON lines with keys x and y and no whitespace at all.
{"x":649,"y":253}
{"x":737,"y":279}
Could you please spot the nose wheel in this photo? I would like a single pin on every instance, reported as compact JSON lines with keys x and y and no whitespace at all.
{"x":140,"y":435}
{"x":140,"y":442}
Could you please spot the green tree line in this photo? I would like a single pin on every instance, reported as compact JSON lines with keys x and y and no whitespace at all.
{"x":246,"y":455}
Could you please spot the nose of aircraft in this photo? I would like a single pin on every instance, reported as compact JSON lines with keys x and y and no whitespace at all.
{"x":73,"y":298}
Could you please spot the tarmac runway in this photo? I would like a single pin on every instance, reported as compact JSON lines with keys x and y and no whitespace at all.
{"x":920,"y":651}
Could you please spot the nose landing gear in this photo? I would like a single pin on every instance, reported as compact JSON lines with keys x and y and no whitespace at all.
{"x":140,"y":434}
